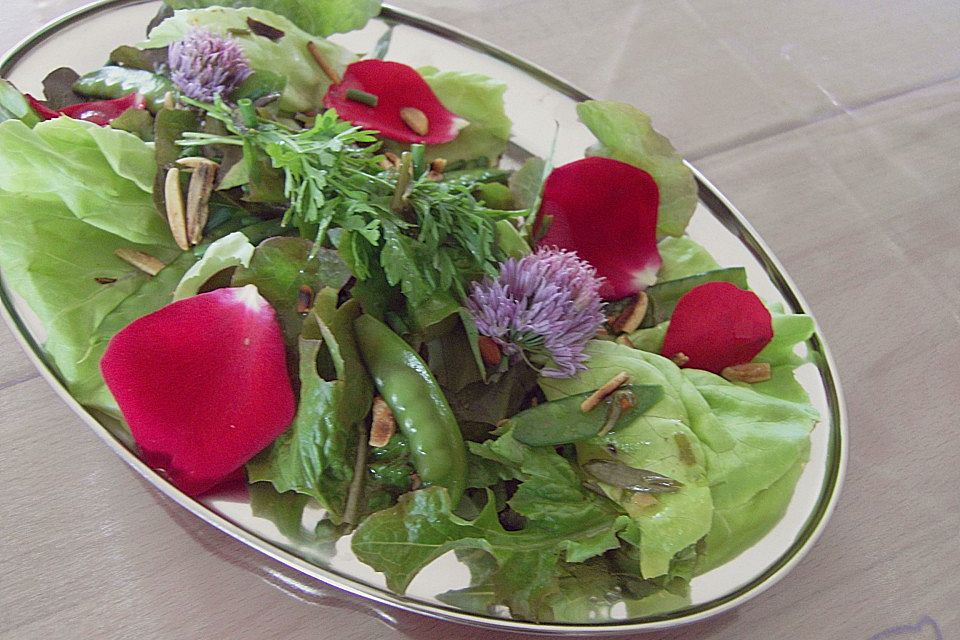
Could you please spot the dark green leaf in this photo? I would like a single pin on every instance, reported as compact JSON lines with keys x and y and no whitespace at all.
{"x":562,"y":422}
{"x":662,"y":297}
{"x":113,"y":82}
{"x":58,"y":88}
{"x":134,"y":58}
{"x":139,"y":122}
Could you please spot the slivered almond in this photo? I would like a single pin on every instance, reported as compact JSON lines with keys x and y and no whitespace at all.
{"x":749,"y":372}
{"x":439,"y":165}
{"x":176,"y":212}
{"x":383,"y":426}
{"x":325,"y":66}
{"x":194,"y":162}
{"x":168,"y":101}
{"x":143,"y":261}
{"x":416,"y":120}
{"x":198,"y":200}
{"x":630,"y":318}
{"x":609,"y":387}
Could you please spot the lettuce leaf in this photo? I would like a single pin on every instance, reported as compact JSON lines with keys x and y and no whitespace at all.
{"x":625,"y":133}
{"x":478,"y":100}
{"x":72,"y":193}
{"x":315,"y":456}
{"x":13,"y":106}
{"x":400,"y":541}
{"x":306,"y":83}
{"x":103,"y":176}
{"x":752,"y":476}
{"x":316,"y":17}
{"x":679,"y":519}
{"x":683,"y":257}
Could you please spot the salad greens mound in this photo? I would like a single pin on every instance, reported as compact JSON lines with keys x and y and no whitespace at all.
{"x":460,"y":383}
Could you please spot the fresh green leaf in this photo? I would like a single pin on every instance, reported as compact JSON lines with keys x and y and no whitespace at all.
{"x":315,"y":456}
{"x":281,"y":266}
{"x":404,"y":539}
{"x":526,"y":183}
{"x":478,"y":100}
{"x":678,"y":519}
{"x":230,"y":251}
{"x":625,"y":134}
{"x":58,"y":88}
{"x":113,"y":82}
{"x":13,"y":106}
{"x":662,"y":298}
{"x":683,"y":257}
{"x":316,"y":17}
{"x":139,"y":122}
{"x":306,"y":83}
{"x":94,"y":171}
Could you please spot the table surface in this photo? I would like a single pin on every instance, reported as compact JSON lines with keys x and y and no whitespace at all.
{"x":833,"y":125}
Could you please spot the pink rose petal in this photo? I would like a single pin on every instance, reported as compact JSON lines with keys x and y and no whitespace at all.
{"x":717,"y":325}
{"x":203,"y":384}
{"x":396,"y":86}
{"x":606,"y":211}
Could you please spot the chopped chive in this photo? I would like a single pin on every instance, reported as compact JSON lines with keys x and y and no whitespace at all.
{"x":358,"y":95}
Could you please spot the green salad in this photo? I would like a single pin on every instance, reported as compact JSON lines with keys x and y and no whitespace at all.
{"x":281,"y":263}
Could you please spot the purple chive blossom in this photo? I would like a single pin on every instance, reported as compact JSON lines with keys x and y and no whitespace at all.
{"x":205,"y":65}
{"x":542,"y":308}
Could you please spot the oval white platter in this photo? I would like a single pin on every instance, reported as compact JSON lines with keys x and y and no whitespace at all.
{"x":536,"y":101}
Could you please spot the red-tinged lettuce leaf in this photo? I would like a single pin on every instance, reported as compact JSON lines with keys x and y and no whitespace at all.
{"x":101,"y":112}
{"x":717,"y":325}
{"x":397,"y":86}
{"x":203,"y":384}
{"x":625,"y":133}
{"x":315,"y":456}
{"x":317,"y":17}
{"x":606,"y":211}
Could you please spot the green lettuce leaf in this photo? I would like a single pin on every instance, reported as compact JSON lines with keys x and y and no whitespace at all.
{"x":306,"y":83}
{"x":679,"y":519}
{"x":625,"y":134}
{"x":478,"y":100}
{"x":316,"y":17}
{"x":58,"y":234}
{"x":400,"y":541}
{"x":87,"y":385}
{"x":315,"y":456}
{"x":683,"y":257}
{"x":13,"y":106}
{"x":233,"y":250}
{"x":103,"y":176}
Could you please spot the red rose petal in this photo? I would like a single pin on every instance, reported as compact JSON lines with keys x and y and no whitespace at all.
{"x":396,"y":86}
{"x":203,"y":384}
{"x":718,"y":325}
{"x":606,"y":211}
{"x":101,"y":112}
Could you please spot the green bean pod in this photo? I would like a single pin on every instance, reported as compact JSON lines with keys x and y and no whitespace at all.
{"x":116,"y":82}
{"x":421,"y":411}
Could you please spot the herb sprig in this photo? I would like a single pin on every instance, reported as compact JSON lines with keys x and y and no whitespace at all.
{"x":426,"y":236}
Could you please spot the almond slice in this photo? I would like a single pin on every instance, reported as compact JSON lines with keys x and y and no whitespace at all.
{"x":198,"y":200}
{"x":609,"y":387}
{"x":630,"y":318}
{"x":416,"y":120}
{"x":176,"y":212}
{"x":384,"y":425}
{"x":750,"y":372}
{"x":325,"y":66}
{"x":143,"y":261}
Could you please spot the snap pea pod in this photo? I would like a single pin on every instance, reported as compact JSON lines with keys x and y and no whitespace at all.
{"x":116,"y":82}
{"x":422,"y":413}
{"x":562,"y":422}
